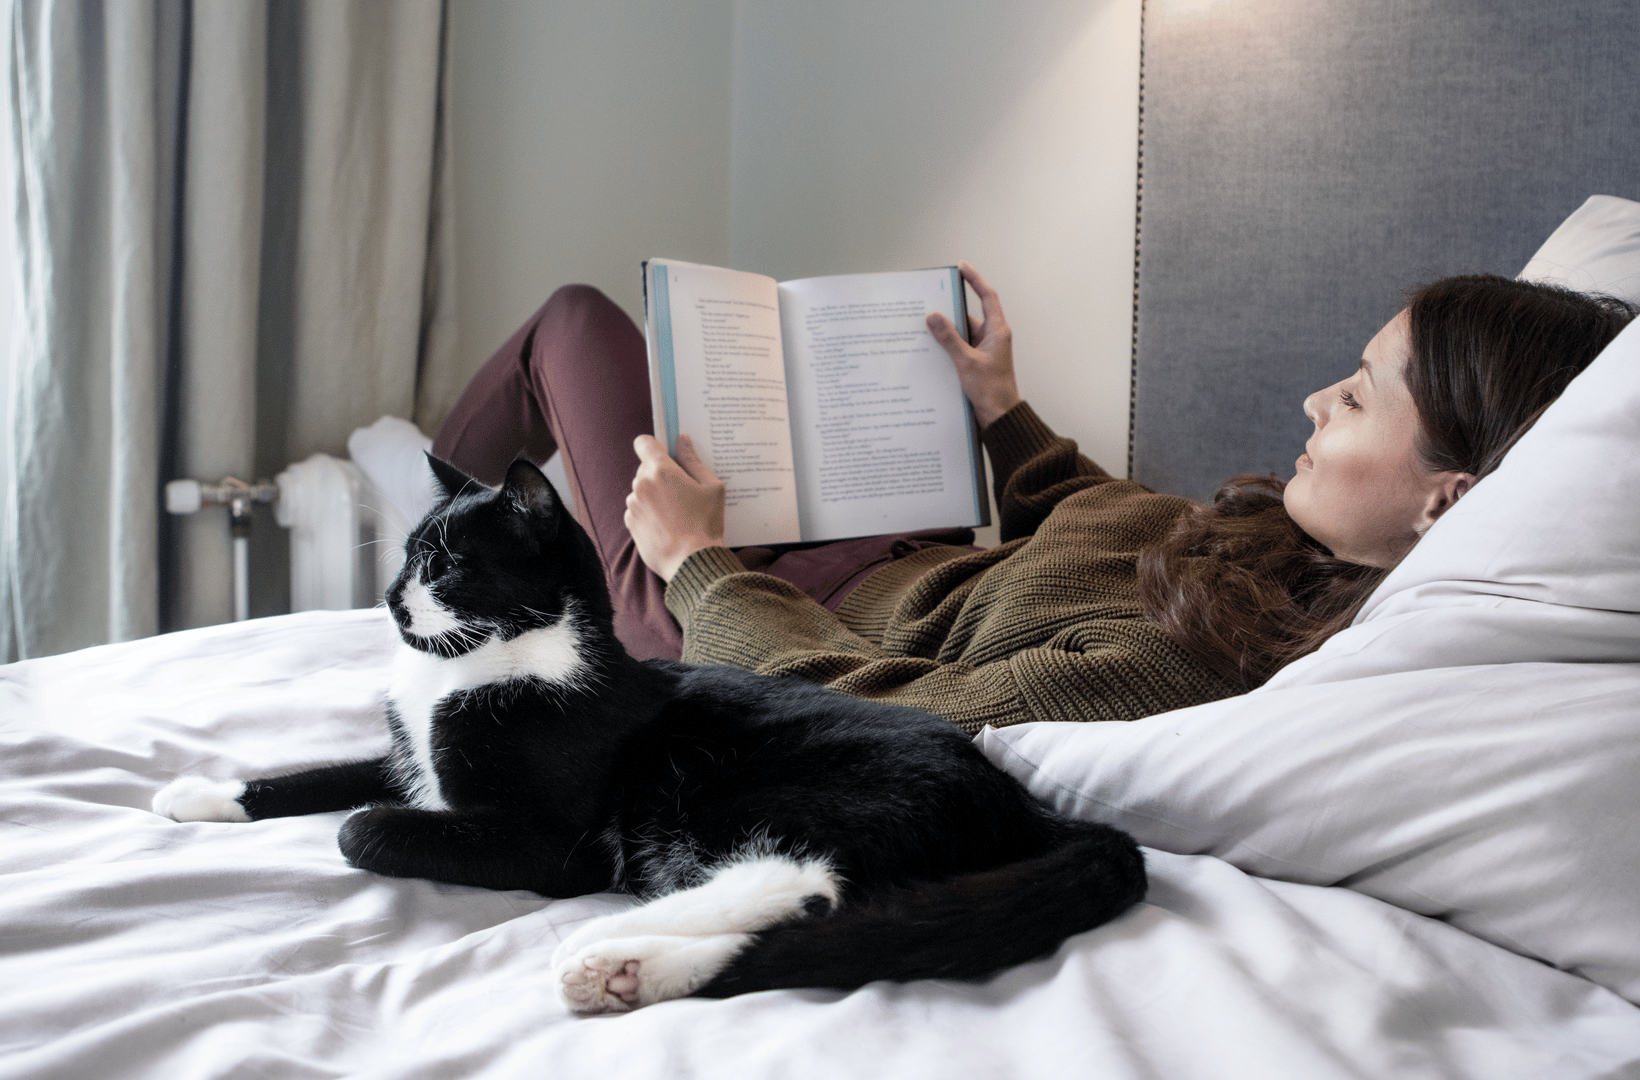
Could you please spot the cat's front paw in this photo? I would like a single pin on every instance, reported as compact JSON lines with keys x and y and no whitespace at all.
{"x":361,"y":837}
{"x":195,"y":798}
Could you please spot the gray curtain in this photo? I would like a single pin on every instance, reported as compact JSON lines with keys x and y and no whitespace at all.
{"x":233,"y":243}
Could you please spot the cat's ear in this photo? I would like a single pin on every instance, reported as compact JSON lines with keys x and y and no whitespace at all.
{"x":447,"y":478}
{"x":529,"y":490}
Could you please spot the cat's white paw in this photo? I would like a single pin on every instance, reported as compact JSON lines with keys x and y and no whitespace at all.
{"x":195,"y":798}
{"x":599,"y":984}
{"x":621,"y":974}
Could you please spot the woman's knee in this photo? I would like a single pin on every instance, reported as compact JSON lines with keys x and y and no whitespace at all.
{"x":575,"y":300}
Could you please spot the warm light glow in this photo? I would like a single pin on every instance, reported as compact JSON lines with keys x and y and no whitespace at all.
{"x":1186,"y":8}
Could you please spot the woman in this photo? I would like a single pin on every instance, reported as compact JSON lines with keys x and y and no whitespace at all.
{"x":1105,"y":601}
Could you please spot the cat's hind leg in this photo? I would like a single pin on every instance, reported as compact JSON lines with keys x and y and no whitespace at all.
{"x":624,"y":973}
{"x":672,"y":946}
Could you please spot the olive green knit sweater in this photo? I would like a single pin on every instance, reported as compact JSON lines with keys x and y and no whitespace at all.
{"x":1045,"y":626}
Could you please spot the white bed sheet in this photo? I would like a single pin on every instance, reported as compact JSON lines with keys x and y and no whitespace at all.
{"x":133,"y":946}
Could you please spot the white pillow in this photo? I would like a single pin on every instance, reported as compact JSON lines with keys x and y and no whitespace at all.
{"x":1470,"y":749}
{"x":1499,"y":798}
{"x":1596,"y":250}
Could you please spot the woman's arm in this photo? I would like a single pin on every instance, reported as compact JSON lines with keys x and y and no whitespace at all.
{"x":1118,"y":670}
{"x":1032,"y":468}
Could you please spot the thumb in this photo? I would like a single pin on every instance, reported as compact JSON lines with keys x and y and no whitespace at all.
{"x":945,"y":333}
{"x":689,"y":458}
{"x":648,"y":448}
{"x":940,"y":327}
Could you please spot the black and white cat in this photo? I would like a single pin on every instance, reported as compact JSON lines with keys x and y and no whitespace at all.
{"x":783,"y":834}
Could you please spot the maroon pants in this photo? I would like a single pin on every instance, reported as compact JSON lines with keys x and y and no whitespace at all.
{"x":575,"y":378}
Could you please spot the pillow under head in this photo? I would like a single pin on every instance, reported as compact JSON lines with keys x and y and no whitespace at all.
{"x":1470,"y":748}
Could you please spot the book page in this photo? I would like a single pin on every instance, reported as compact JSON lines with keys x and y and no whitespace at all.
{"x":717,"y":374}
{"x":882,"y":436}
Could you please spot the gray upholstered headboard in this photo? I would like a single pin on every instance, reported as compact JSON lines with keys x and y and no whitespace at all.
{"x":1303,"y":162}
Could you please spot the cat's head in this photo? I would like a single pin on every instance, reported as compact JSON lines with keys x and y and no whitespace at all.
{"x":495,"y":562}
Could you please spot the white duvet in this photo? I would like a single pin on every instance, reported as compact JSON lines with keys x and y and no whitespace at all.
{"x":134,"y":946}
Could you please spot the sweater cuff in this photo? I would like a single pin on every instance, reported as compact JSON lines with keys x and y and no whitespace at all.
{"x":695,"y":576}
{"x":1014,"y":438}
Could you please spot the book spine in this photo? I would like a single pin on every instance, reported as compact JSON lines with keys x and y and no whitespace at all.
{"x":976,"y":457}
{"x":663,"y":353}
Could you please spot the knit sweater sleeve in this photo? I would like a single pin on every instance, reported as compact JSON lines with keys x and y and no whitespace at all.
{"x":761,"y":623}
{"x":1114,"y":668}
{"x":1033,"y":470}
{"x":1116,"y":671}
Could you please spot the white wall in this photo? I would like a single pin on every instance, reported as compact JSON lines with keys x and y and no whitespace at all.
{"x":799,"y":138}
{"x":588,"y":136}
{"x":873,"y":136}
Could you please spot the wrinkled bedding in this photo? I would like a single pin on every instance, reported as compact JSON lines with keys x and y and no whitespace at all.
{"x":134,"y":946}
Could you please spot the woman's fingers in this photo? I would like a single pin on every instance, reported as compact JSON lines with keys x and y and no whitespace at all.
{"x":992,"y":320}
{"x":986,"y":367}
{"x":672,"y":512}
{"x":989,"y":301}
{"x":692,"y":463}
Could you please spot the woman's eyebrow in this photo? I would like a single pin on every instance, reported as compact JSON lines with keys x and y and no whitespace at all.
{"x":1366,"y":369}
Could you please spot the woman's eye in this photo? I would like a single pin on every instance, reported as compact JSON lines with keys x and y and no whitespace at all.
{"x":1349,"y":400}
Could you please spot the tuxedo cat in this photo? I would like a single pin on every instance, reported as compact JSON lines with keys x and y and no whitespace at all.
{"x":784,"y":835}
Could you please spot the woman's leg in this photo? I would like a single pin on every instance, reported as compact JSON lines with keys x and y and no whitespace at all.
{"x":574,"y":377}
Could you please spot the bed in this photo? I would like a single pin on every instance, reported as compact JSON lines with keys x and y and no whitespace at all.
{"x":1414,"y":853}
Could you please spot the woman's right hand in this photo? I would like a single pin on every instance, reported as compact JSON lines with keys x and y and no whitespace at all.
{"x":675,"y":508}
{"x":985,"y":368}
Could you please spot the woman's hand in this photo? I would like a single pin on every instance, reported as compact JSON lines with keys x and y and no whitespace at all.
{"x":985,"y":368}
{"x":675,"y":507}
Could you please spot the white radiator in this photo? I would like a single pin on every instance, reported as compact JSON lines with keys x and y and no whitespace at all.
{"x":346,"y":534}
{"x":332,"y":539}
{"x":347,"y":518}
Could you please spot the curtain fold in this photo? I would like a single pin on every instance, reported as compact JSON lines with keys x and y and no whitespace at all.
{"x":231,"y":229}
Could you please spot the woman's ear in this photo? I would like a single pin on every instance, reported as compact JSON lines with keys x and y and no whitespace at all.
{"x":1448,"y":489}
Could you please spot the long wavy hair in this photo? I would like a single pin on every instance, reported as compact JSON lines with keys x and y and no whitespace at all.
{"x":1246,"y":591}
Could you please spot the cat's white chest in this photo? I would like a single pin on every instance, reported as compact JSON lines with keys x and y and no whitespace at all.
{"x":420,"y":681}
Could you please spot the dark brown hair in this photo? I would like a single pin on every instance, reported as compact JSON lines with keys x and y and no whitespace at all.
{"x":1246,"y":591}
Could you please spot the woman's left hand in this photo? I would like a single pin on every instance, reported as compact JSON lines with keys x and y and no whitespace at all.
{"x":985,"y":368}
{"x":675,"y":508}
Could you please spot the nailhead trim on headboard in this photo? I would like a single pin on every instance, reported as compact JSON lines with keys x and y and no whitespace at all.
{"x":1138,"y":229}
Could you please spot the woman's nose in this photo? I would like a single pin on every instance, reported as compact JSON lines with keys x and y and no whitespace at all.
{"x":1312,"y":407}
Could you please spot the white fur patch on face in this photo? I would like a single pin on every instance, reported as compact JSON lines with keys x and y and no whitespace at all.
{"x":421,"y":680}
{"x":427,"y":617}
{"x":673,"y":946}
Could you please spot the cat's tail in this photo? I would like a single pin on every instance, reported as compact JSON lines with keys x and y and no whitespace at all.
{"x":969,"y":927}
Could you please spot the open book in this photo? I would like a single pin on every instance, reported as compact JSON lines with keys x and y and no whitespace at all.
{"x":825,"y":405}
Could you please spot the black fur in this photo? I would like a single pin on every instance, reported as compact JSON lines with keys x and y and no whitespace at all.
{"x":646,"y":776}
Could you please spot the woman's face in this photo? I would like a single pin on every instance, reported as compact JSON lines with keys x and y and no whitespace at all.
{"x":1360,"y":488}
